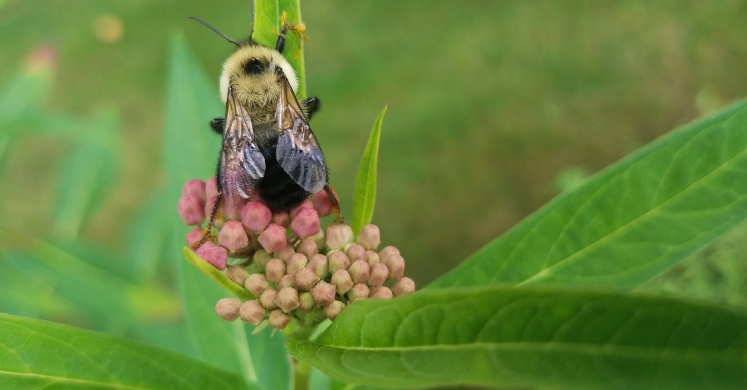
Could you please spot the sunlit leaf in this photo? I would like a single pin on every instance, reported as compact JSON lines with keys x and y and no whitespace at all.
{"x":293,"y":51}
{"x":364,"y":195}
{"x":266,"y":22}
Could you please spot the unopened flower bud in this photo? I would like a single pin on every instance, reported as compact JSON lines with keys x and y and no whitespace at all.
{"x":306,"y":302}
{"x":195,"y":187}
{"x":273,"y":238}
{"x":338,"y":260}
{"x":305,"y":279}
{"x":323,"y":293}
{"x":287,"y":299}
{"x":355,"y":252}
{"x":267,"y":299}
{"x":191,"y":209}
{"x":306,"y":204}
{"x":296,"y":262}
{"x":275,"y":269}
{"x":359,"y":271}
{"x":306,"y":223}
{"x":359,"y":291}
{"x":337,"y":236}
{"x":308,"y":247}
{"x":319,"y":240}
{"x":370,"y":237}
{"x":228,"y":308}
{"x":285,"y":253}
{"x":396,"y":265}
{"x":255,"y":217}
{"x":211,"y":188}
{"x":194,"y":236}
{"x":237,"y":273}
{"x":252,"y":312}
{"x":287,"y":281}
{"x":213,"y":254}
{"x":256,"y":284}
{"x":381,"y":292}
{"x":403,"y":286}
{"x":210,"y":205}
{"x":281,"y":218}
{"x":342,"y":281}
{"x":372,"y":257}
{"x":261,"y":257}
{"x":334,"y":309}
{"x":322,"y":203}
{"x":278,"y":319}
{"x":388,"y":251}
{"x":319,"y":264}
{"x":378,"y":274}
{"x":232,"y":236}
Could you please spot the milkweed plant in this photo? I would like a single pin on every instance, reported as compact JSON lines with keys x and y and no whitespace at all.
{"x":287,"y":300}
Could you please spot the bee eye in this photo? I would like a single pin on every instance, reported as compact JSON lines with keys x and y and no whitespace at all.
{"x":254,"y":66}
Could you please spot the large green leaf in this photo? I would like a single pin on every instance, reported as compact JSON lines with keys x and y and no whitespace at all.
{"x":533,"y":337}
{"x":364,"y":195}
{"x":36,"y":354}
{"x":631,"y":221}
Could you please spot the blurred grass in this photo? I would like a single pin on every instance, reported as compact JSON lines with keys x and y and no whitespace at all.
{"x":488,"y":102}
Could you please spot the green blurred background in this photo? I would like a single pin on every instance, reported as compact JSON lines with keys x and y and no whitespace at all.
{"x":494,"y":108}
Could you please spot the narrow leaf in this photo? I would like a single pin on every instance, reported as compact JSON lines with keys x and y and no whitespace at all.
{"x":216,"y":275}
{"x":533,"y":338}
{"x":633,"y":220}
{"x":266,"y":22}
{"x":293,"y":51}
{"x":364,"y":194}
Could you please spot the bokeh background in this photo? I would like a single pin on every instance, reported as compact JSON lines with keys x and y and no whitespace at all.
{"x":493,"y":109}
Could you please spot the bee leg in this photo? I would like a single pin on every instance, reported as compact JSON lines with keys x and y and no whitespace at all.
{"x":217,"y":125}
{"x":335,"y":202}
{"x":207,"y":233}
{"x":312,"y":105}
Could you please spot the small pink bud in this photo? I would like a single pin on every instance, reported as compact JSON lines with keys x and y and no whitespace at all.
{"x":306,"y":204}
{"x":191,"y":209}
{"x":195,"y":187}
{"x":287,"y":299}
{"x":261,"y":257}
{"x":213,"y":254}
{"x":338,"y":260}
{"x":210,"y":204}
{"x":228,"y":308}
{"x":359,"y":291}
{"x":319,"y":265}
{"x":287,"y":281}
{"x":323,"y":293}
{"x":296,"y":262}
{"x":305,"y":279}
{"x":337,"y":236}
{"x":285,"y":253}
{"x":306,"y":302}
{"x":396,"y":265}
{"x":273,"y":238}
{"x":355,"y":252}
{"x":342,"y":281}
{"x":281,"y":218}
{"x":194,"y":236}
{"x":278,"y":319}
{"x":256,"y":284}
{"x":306,"y":223}
{"x":237,"y":273}
{"x":359,"y":271}
{"x":334,"y":309}
{"x":252,"y":312}
{"x":275,"y":270}
{"x":255,"y":217}
{"x":322,"y":203}
{"x":378,"y":274}
{"x":386,"y":252}
{"x":372,"y":257}
{"x":381,"y":292}
{"x":403,"y":286}
{"x":232,"y":236}
{"x":211,"y":188}
{"x":308,"y":247}
{"x":267,"y":299}
{"x":370,"y":237}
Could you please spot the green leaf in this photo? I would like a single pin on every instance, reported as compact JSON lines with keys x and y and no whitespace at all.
{"x":293,"y":51}
{"x":266,"y":22}
{"x":37,"y":354}
{"x":216,"y":275}
{"x":364,"y":194}
{"x":150,"y":236}
{"x":271,"y":360}
{"x":533,"y":338}
{"x":633,"y":220}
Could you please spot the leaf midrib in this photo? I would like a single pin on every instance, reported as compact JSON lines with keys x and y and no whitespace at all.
{"x":62,"y":379}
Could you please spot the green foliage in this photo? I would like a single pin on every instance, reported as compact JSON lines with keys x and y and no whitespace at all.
{"x":364,"y":198}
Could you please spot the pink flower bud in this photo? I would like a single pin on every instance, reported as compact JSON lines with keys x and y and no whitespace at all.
{"x":256,"y":284}
{"x":334,"y":309}
{"x":194,"y":236}
{"x":322,"y":203}
{"x":285,"y":253}
{"x":261,"y":257}
{"x":191,"y":209}
{"x":403,"y":286}
{"x":252,"y":312}
{"x":338,"y":260}
{"x":213,"y":254}
{"x":355,"y":252}
{"x":306,"y":302}
{"x":306,"y":223}
{"x":237,"y":273}
{"x":287,"y":299}
{"x":359,"y":271}
{"x":267,"y":299}
{"x":323,"y":293}
{"x":378,"y":274}
{"x":273,"y":238}
{"x":232,"y":236}
{"x":305,"y":279}
{"x":211,"y":188}
{"x":337,"y":236}
{"x":287,"y":281}
{"x":228,"y":308}
{"x":359,"y":291}
{"x":319,"y":265}
{"x":306,"y":204}
{"x":255,"y":217}
{"x":381,"y":292}
{"x":278,"y":319}
{"x":296,"y":262}
{"x":342,"y":281}
{"x":370,"y":237}
{"x":372,"y":257}
{"x":281,"y":218}
{"x":308,"y":247}
{"x":386,"y":252}
{"x":396,"y":265}
{"x":275,"y":270}
{"x":195,"y":187}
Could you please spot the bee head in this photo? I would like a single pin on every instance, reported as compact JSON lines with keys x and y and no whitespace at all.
{"x":251,"y":71}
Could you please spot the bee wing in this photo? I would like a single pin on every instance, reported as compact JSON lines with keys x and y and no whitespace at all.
{"x":297,"y":151}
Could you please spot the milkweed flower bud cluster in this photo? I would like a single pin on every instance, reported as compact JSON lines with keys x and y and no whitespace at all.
{"x":293,"y":268}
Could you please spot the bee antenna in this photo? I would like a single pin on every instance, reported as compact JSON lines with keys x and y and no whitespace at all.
{"x":215,"y":30}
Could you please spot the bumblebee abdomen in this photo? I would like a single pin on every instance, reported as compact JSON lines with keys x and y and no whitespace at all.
{"x":276,"y":189}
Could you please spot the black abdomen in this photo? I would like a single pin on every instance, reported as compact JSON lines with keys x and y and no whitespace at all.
{"x":276,"y":189}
